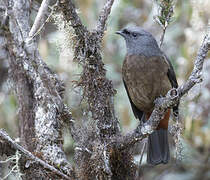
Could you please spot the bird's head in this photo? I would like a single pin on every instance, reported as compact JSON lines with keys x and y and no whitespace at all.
{"x":139,"y":41}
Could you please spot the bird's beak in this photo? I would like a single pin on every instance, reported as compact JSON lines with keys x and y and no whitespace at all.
{"x":119,"y":32}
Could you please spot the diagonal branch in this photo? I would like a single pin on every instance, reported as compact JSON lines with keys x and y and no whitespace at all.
{"x":69,"y":11}
{"x":39,"y":20}
{"x":101,"y":26}
{"x":195,"y":76}
{"x":4,"y":136}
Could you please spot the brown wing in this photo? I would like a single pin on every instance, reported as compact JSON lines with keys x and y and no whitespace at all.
{"x":146,"y":79}
{"x":137,"y":112}
{"x":172,"y":78}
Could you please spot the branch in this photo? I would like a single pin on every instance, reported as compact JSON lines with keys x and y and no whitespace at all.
{"x":195,"y":76}
{"x":4,"y":136}
{"x":46,"y":108}
{"x":39,"y":20}
{"x":162,"y":36}
{"x":172,"y":98}
{"x":101,"y":26}
{"x":166,"y":10}
{"x":69,"y":11}
{"x":98,"y":91}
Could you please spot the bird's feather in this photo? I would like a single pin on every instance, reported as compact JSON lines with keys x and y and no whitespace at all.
{"x":172,"y":78}
{"x":137,"y":112}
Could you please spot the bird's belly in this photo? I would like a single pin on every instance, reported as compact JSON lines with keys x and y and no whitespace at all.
{"x":144,"y":93}
{"x":146,"y":80}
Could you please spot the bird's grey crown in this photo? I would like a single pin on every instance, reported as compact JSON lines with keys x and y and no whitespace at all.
{"x":140,"y":42}
{"x":136,"y":29}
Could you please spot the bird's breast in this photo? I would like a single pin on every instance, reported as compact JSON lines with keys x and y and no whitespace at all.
{"x":146,"y":79}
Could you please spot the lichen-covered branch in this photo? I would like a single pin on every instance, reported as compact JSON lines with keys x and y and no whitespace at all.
{"x":101,"y":26}
{"x":5,"y":137}
{"x":39,"y":92}
{"x":196,"y":75}
{"x":70,"y":15}
{"x":101,"y":151}
{"x":98,"y":94}
{"x":97,"y":90}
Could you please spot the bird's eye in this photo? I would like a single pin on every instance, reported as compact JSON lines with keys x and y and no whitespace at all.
{"x":134,"y":34}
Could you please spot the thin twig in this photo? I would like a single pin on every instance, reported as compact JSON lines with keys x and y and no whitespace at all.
{"x":166,"y":10}
{"x":15,"y":168}
{"x":39,"y":18}
{"x":42,"y":25}
{"x":162,"y":36}
{"x":4,"y":136}
{"x":101,"y":26}
{"x":138,"y":172}
{"x":142,"y":152}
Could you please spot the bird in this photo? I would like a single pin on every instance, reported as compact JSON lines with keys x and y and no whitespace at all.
{"x":147,"y":74}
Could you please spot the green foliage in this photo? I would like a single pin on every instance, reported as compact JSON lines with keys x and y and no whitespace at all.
{"x":166,"y":10}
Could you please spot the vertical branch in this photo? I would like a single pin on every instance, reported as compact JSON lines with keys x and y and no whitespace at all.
{"x":97,"y":89}
{"x":162,"y":36}
{"x":166,"y":10}
{"x":21,"y":15}
{"x":24,"y":88}
{"x":195,"y":76}
{"x":39,"y":93}
{"x":97,"y":92}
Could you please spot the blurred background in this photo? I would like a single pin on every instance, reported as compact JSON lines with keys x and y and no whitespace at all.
{"x":181,"y":43}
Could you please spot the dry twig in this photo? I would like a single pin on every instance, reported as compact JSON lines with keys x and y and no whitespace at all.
{"x":5,"y":137}
{"x":39,"y":18}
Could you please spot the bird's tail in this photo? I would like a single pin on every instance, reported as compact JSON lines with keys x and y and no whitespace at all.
{"x":158,"y":147}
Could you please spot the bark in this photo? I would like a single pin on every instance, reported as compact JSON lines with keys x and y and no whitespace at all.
{"x":39,"y":93}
